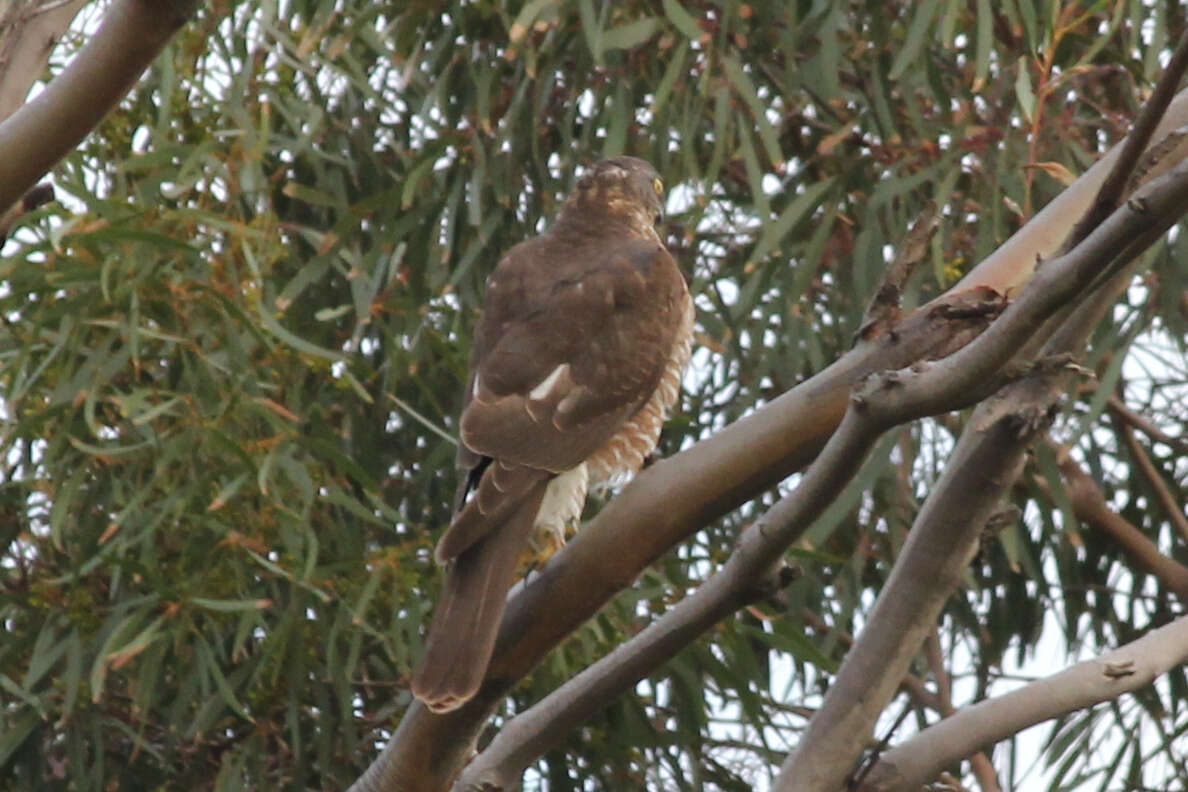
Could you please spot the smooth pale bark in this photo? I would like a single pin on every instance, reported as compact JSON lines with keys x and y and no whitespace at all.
{"x":907,"y":767}
{"x":940,"y":545}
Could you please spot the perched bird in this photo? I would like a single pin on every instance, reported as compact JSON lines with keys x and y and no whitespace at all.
{"x":577,"y":359}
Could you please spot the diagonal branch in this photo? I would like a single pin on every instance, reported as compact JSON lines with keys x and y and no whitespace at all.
{"x":884,"y":309}
{"x":942,"y":541}
{"x":1126,"y":669}
{"x":46,"y":129}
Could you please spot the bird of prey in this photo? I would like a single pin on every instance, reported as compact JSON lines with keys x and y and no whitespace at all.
{"x":577,"y":359}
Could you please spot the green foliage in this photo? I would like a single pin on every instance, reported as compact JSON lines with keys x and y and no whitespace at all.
{"x":231,"y":355}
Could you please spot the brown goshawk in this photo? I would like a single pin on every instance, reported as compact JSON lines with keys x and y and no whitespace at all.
{"x":578,"y":358}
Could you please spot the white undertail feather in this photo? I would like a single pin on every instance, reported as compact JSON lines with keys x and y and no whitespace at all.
{"x":561,"y":507}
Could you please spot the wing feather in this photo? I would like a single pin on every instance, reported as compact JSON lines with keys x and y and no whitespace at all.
{"x":573,"y":341}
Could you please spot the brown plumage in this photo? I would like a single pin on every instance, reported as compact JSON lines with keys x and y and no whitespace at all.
{"x":577,"y":359}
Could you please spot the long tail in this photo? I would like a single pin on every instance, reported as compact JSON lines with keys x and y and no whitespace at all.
{"x":462,"y":636}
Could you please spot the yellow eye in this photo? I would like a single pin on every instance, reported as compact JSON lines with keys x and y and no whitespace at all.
{"x":658,"y":186}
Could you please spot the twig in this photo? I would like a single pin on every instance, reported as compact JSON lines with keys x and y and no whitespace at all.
{"x":1171,"y":507}
{"x":862,"y":772}
{"x":936,"y":663}
{"x":423,"y":420}
{"x":884,"y":309}
{"x":983,"y":770}
{"x":1120,"y":411}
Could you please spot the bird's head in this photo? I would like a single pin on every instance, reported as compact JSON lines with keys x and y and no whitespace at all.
{"x":627,"y":188}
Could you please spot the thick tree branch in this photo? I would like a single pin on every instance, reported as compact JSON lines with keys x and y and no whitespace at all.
{"x":941,"y":543}
{"x":1124,"y":670}
{"x":43,"y":131}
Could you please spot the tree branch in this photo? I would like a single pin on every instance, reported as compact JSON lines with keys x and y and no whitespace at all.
{"x":884,"y":310}
{"x":40,"y":133}
{"x":942,"y":541}
{"x":1123,"y":670}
